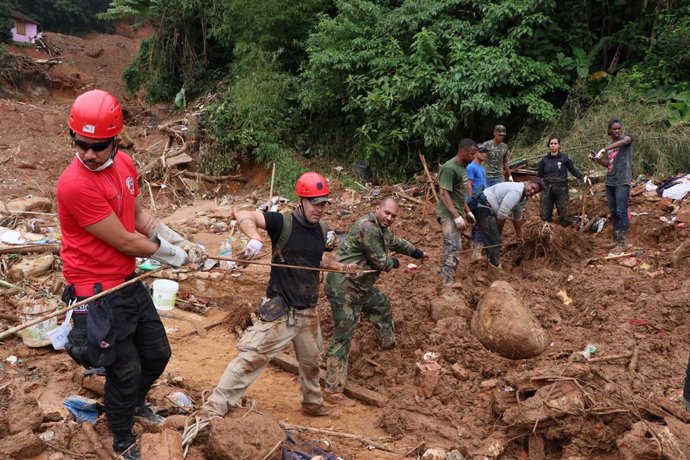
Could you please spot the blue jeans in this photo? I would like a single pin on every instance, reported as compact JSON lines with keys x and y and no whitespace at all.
{"x":617,"y":197}
{"x":493,"y":180}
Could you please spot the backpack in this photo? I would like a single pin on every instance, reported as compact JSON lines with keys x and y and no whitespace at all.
{"x":285,"y":236}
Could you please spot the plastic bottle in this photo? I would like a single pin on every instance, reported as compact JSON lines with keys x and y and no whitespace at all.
{"x":226,"y":251}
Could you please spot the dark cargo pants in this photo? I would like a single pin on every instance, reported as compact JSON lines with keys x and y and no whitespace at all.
{"x":142,"y":352}
{"x":559,"y":196}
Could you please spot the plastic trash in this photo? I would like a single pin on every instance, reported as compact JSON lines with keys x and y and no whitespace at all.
{"x":181,"y":400}
{"x":83,"y":409}
{"x":226,"y":251}
{"x":588,"y":351}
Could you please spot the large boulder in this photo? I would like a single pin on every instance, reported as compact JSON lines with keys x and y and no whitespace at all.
{"x":505,"y":326}
{"x":252,"y":436}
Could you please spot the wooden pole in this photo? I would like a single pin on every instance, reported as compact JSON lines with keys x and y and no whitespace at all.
{"x":27,"y":249}
{"x":273,"y":176}
{"x":295,"y":267}
{"x":62,"y":311}
{"x":428,"y":176}
{"x":583,"y":218}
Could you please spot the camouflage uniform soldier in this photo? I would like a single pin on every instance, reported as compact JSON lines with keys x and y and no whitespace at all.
{"x":496,"y":163}
{"x":367,"y":245}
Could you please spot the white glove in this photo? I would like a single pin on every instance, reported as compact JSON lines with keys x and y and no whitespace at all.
{"x":600,"y":154}
{"x":252,"y":250}
{"x":510,"y":178}
{"x":471,"y":216}
{"x":195,"y":252}
{"x":460,"y":223}
{"x":169,"y":254}
{"x":586,"y":180}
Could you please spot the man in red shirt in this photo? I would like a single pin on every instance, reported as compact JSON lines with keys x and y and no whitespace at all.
{"x":103,"y":231}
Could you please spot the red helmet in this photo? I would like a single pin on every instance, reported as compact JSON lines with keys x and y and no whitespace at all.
{"x":96,"y":114}
{"x":311,"y":185}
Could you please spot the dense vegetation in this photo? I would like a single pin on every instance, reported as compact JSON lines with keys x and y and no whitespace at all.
{"x":65,"y":16}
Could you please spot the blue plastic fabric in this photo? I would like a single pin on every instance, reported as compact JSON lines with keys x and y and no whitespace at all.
{"x":305,"y":451}
{"x":83,"y":409}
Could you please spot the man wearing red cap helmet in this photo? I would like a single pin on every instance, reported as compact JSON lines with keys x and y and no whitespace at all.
{"x":103,"y":231}
{"x":287,"y":313}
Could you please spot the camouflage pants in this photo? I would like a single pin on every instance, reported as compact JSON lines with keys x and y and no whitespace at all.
{"x":348,"y":304}
{"x":452,"y":244}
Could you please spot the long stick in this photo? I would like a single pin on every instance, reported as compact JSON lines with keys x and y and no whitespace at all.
{"x":428,"y":175}
{"x":62,"y":311}
{"x":26,"y":249}
{"x":296,"y":267}
{"x":273,"y":176}
{"x":584,"y":207}
{"x":289,"y":426}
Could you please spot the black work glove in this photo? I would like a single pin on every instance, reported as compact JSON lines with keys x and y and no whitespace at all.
{"x":417,"y":254}
{"x":396,"y":262}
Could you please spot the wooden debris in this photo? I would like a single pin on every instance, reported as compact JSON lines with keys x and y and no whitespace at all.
{"x":342,"y":434}
{"x":358,"y":392}
{"x":601,"y":359}
{"x":31,"y":249}
{"x":232,"y":177}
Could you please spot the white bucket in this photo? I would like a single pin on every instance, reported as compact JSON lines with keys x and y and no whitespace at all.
{"x":164,"y":294}
{"x":58,"y":336}
{"x":36,"y":335}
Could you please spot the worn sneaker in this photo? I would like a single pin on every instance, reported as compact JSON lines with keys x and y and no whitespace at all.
{"x":320,"y":411}
{"x":337,"y":398}
{"x":144,"y":414}
{"x":125,"y":447}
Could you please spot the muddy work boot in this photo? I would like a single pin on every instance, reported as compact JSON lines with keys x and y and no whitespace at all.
{"x":622,"y":234}
{"x":320,"y":411}
{"x":143,"y":413}
{"x":125,"y":447}
{"x":615,"y":243}
{"x":336,"y":397}
{"x":493,"y":271}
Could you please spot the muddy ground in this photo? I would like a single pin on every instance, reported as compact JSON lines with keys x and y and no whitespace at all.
{"x":483,"y":405}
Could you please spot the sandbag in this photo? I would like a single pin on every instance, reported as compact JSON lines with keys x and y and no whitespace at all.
{"x":505,"y":326}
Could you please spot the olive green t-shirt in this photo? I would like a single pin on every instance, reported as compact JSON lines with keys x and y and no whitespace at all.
{"x":452,"y":178}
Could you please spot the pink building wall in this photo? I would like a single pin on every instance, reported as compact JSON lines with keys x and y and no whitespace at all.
{"x":31,"y":32}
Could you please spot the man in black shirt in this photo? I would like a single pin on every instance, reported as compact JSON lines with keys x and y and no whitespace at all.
{"x":287,"y":313}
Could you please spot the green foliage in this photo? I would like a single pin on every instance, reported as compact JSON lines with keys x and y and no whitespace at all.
{"x":679,"y":108}
{"x":409,"y":77}
{"x":253,"y":115}
{"x":65,"y":16}
{"x":667,"y":62}
{"x":6,"y":23}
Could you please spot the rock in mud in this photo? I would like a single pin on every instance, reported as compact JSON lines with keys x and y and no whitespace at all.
{"x":253,"y":436}
{"x":435,"y":453}
{"x":24,"y":444}
{"x":31,"y":267}
{"x":24,"y":414}
{"x":35,"y":203}
{"x":505,"y":326}
{"x":166,"y":444}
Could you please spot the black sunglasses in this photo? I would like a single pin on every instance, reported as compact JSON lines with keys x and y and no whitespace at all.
{"x":95,"y":146}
